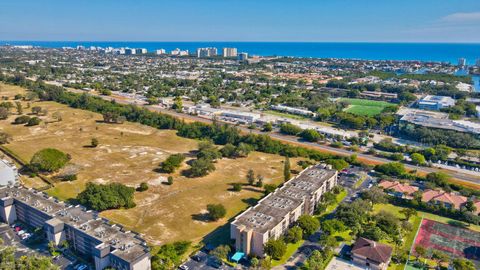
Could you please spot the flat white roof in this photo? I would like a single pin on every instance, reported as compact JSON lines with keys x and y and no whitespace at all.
{"x":8,"y":173}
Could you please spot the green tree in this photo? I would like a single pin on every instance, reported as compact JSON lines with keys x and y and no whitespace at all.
{"x":392,"y":168}
{"x":310,"y":135}
{"x":308,"y":224}
{"x":221,"y":252}
{"x":418,"y":159}
{"x":177,"y":104}
{"x":34,"y":121}
{"x":237,"y":187}
{"x":102,"y":197}
{"x":275,"y":248}
{"x":315,"y":261}
{"x":48,"y":160}
{"x":463,"y":264}
{"x":338,"y":164}
{"x":170,"y":180}
{"x":200,"y":167}
{"x":216,"y":211}
{"x":408,"y":212}
{"x":172,"y":163}
{"x":294,"y":235}
{"x":290,"y":129}
{"x":268,"y":127}
{"x":269,"y":188}
{"x":286,"y":170}
{"x":21,"y":120}
{"x":250,"y":177}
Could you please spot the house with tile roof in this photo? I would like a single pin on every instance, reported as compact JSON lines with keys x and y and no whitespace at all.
{"x":398,"y":189}
{"x":450,"y":200}
{"x":370,"y":254}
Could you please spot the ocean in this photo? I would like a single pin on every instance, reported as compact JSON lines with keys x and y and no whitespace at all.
{"x":440,"y":52}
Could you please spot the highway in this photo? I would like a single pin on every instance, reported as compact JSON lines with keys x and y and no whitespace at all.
{"x":471,"y":177}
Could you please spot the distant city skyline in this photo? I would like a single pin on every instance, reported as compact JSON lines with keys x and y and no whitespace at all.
{"x":242,"y":20}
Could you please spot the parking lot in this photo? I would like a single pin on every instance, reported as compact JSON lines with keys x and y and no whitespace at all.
{"x":201,"y":260}
{"x":18,"y":235}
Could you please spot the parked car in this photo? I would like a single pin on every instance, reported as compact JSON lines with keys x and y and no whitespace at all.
{"x":183,"y":267}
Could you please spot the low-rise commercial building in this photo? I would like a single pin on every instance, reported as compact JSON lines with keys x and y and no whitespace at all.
{"x":436,"y":120}
{"x":95,"y":238}
{"x":276,"y":212}
{"x":293,"y":110}
{"x":435,"y":103}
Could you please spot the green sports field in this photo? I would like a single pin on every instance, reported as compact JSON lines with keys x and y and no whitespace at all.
{"x":365,"y":107}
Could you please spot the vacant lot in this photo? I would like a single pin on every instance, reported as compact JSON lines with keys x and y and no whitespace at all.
{"x":365,"y":106}
{"x":129,"y":153}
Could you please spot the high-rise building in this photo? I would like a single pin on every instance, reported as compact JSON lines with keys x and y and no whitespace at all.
{"x":229,"y":52}
{"x":160,"y":51}
{"x":462,"y":62}
{"x":207,"y":52}
{"x":129,"y":51}
{"x":242,"y":56}
{"x":141,"y":51}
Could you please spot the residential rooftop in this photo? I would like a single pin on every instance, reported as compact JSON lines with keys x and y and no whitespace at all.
{"x":126,"y":244}
{"x":270,"y":210}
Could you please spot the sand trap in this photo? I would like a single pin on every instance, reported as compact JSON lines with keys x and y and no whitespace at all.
{"x":158,"y":181}
{"x":140,"y":132}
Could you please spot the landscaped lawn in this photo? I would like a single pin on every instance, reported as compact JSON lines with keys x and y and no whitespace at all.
{"x":286,"y":115}
{"x":365,"y":107}
{"x":409,"y":238}
{"x":291,"y":249}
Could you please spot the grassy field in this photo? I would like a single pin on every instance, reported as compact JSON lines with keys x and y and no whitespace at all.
{"x":129,"y":153}
{"x":286,"y":115}
{"x":365,"y":107}
{"x":409,"y":238}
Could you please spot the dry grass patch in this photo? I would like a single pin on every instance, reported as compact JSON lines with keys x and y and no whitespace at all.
{"x":128,"y":154}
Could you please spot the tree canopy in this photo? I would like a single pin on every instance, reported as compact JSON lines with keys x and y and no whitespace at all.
{"x":48,"y":160}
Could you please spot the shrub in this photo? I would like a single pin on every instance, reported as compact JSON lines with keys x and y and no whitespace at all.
{"x":34,"y":121}
{"x":21,"y":120}
{"x":172,"y":163}
{"x":237,"y":187}
{"x":216,"y":211}
{"x":94,"y":142}
{"x":143,"y":187}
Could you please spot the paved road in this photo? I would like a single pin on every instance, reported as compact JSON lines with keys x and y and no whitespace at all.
{"x":472,"y":177}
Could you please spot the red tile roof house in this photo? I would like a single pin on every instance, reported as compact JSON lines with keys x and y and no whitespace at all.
{"x":371,"y":254}
{"x":450,"y":200}
{"x":398,"y":189}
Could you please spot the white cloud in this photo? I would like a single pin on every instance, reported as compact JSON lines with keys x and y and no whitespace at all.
{"x":462,"y":17}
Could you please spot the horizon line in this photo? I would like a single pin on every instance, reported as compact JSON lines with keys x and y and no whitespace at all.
{"x":253,"y":41}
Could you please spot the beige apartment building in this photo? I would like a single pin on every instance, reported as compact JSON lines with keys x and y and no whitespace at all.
{"x":275,"y":213}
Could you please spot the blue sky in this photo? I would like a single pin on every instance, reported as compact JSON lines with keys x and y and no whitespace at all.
{"x":241,"y":20}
